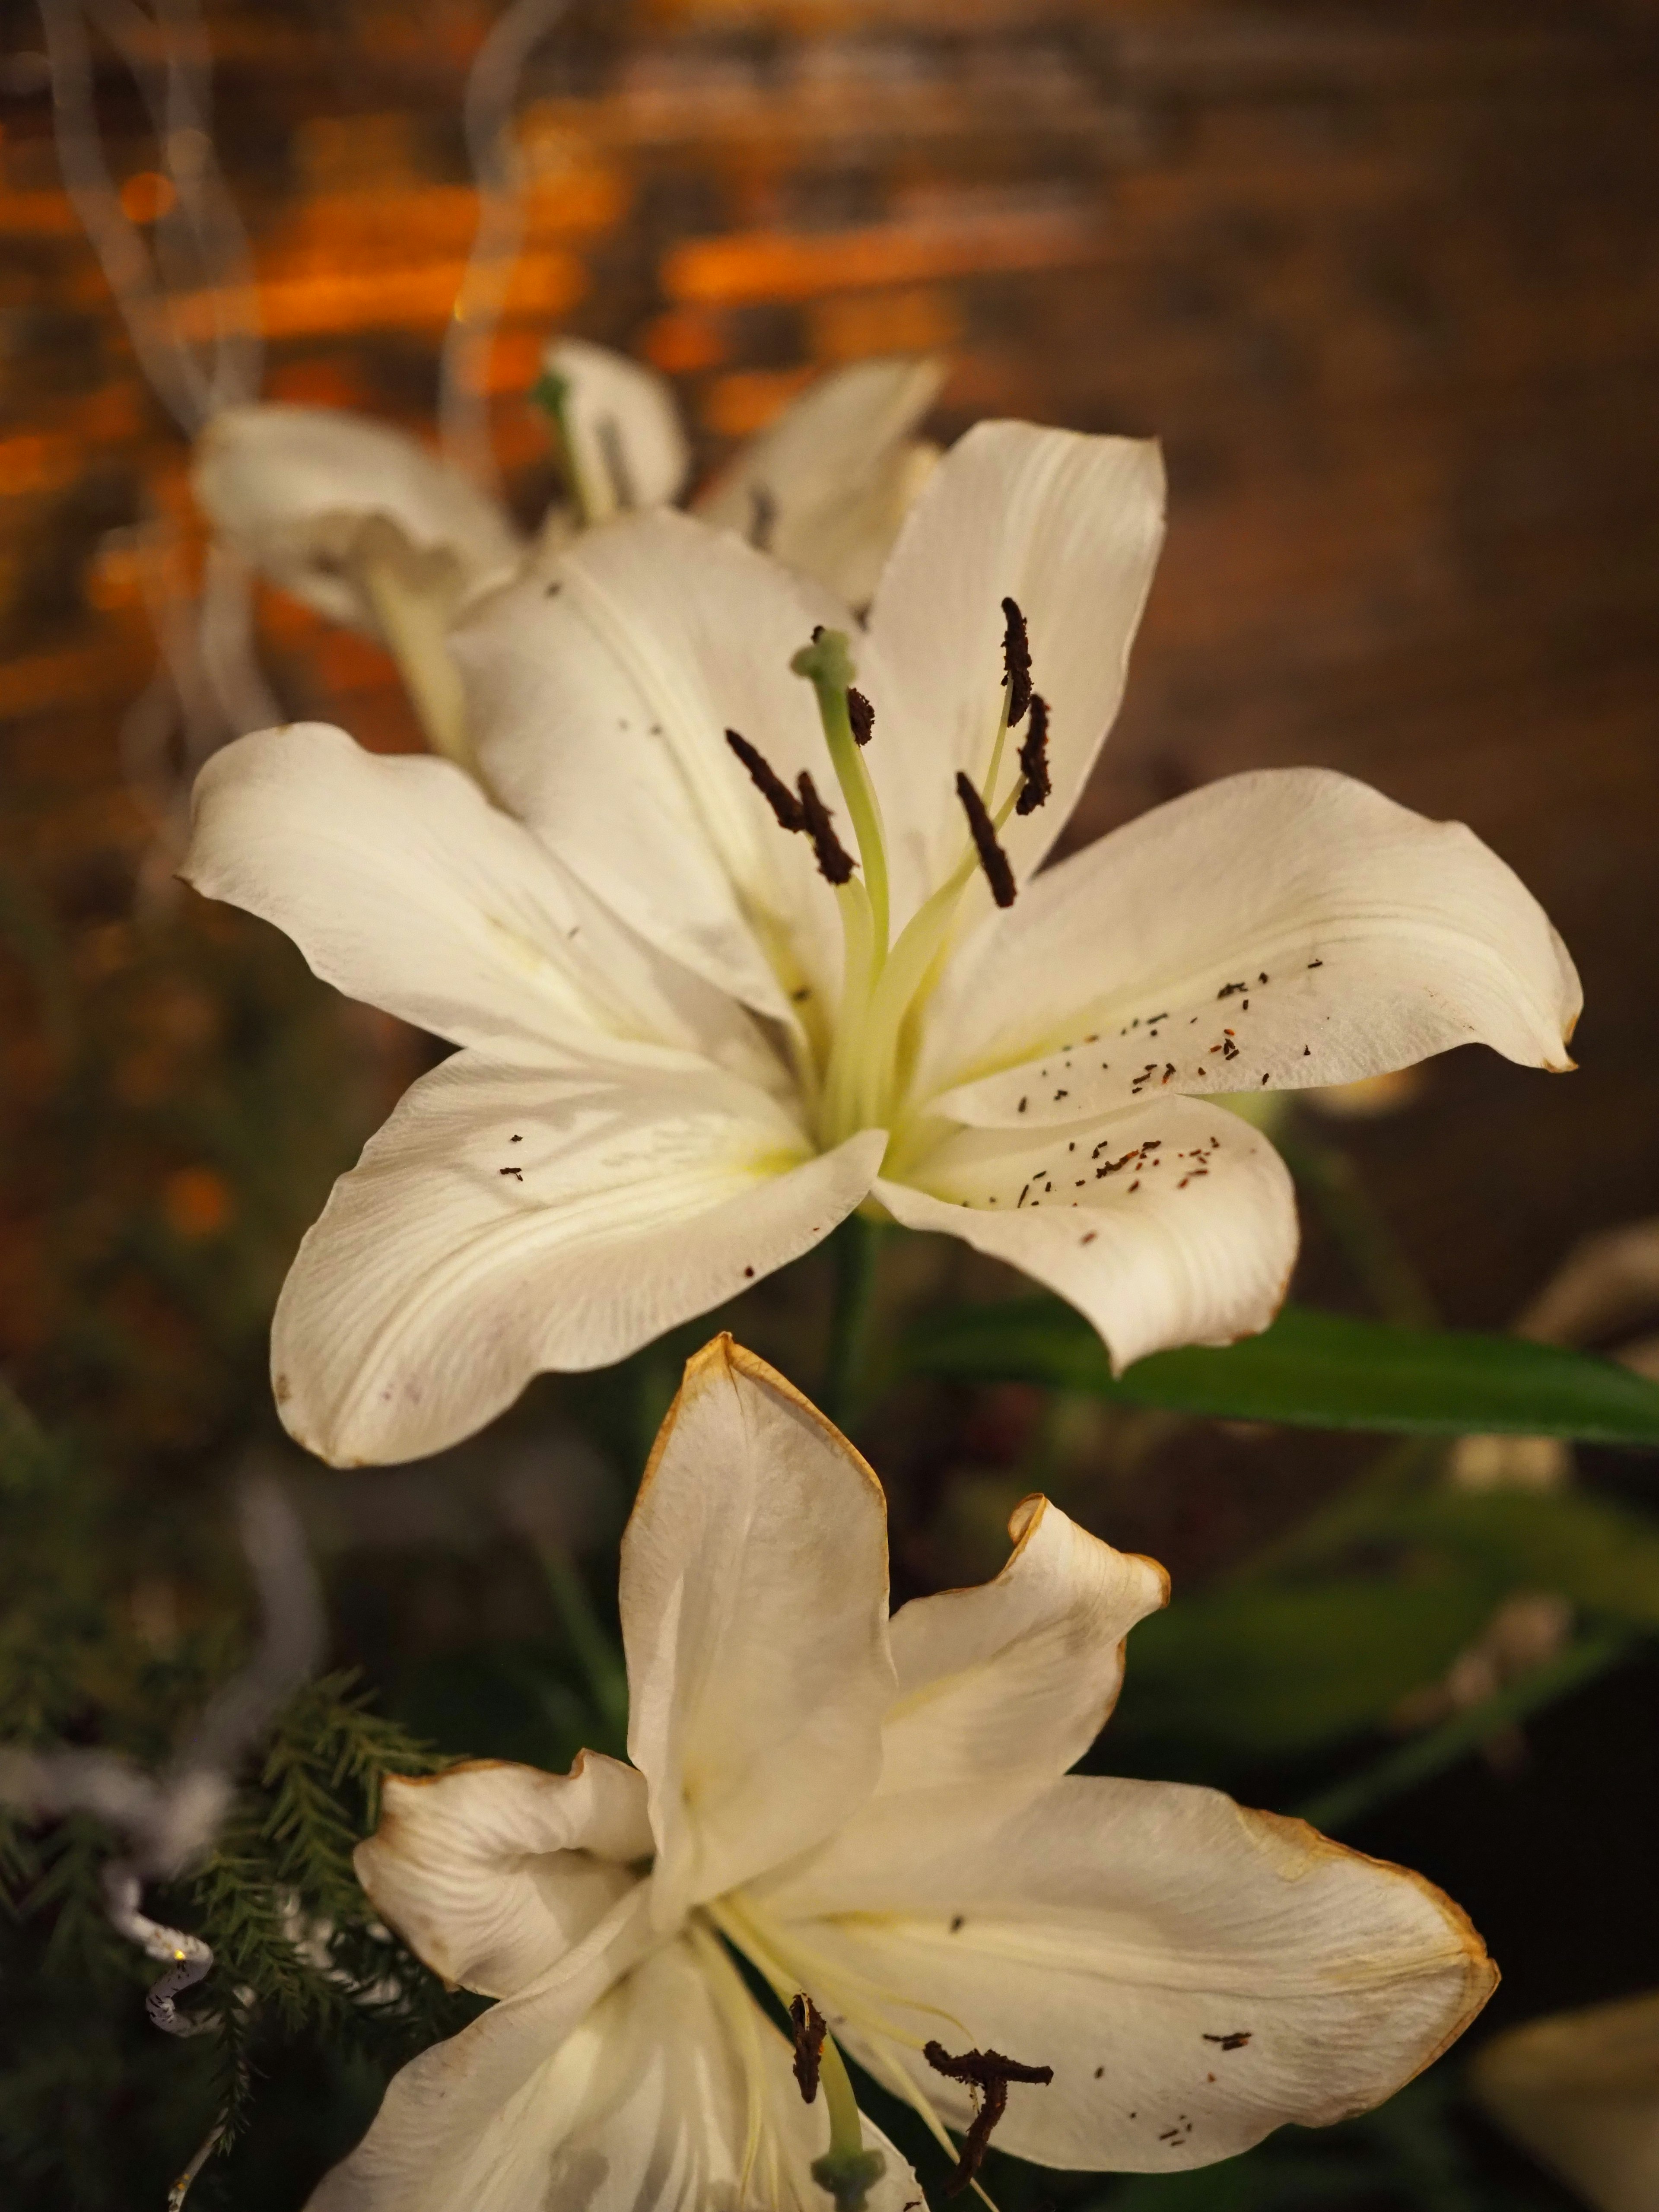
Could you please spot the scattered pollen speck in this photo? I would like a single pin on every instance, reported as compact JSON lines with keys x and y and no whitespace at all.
{"x":516,"y":1173}
{"x":515,"y":1141}
{"x":1099,"y":2071}
{"x":1022,"y":1105}
{"x":749,"y":1273}
{"x":1091,"y":1235}
{"x":958,"y":1920}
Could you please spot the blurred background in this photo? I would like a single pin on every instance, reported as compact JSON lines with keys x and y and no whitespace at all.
{"x":1385,"y":282}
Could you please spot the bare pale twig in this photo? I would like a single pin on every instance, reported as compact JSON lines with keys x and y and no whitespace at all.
{"x":170,"y":1820}
{"x":491,"y":95}
{"x":209,"y":686}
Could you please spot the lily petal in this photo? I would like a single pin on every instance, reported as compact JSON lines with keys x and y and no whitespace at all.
{"x":1167,"y":1222}
{"x":470,"y":2122}
{"x":1283,"y":928}
{"x":510,"y":1218}
{"x":491,"y":1873}
{"x":754,"y":1611}
{"x":673,"y":2095}
{"x":1020,"y":1675}
{"x":600,"y":697}
{"x":1196,"y":1974}
{"x":825,"y":486}
{"x":289,"y":487}
{"x":624,"y":422}
{"x":1581,"y":2090}
{"x":1069,"y":527}
{"x":403,"y":886}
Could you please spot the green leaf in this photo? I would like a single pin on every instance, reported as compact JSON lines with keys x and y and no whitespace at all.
{"x":1310,"y":1370}
{"x":1265,"y":1672}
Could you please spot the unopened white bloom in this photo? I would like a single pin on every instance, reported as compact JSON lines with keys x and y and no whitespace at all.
{"x":686,"y":1056}
{"x":875,"y":1815}
{"x":1581,"y":2091}
{"x":364,"y":524}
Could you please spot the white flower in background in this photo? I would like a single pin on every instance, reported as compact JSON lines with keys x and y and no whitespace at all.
{"x":875,"y":1815}
{"x":1581,"y":2091}
{"x":686,"y":1055}
{"x":366,"y":525}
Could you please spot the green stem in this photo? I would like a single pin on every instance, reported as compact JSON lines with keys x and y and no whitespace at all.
{"x":1432,"y":1753}
{"x":857,"y":1247}
{"x":1367,"y":1241}
{"x":599,"y":1658}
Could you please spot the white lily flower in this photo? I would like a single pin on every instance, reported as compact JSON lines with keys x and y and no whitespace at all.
{"x":686,"y":1056}
{"x":1581,"y":2091}
{"x":875,"y":1816}
{"x":365,"y":524}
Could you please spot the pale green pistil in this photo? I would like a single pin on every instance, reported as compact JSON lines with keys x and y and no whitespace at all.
{"x":885,"y":980}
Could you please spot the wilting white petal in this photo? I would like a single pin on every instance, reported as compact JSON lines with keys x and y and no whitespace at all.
{"x":289,"y":487}
{"x":825,"y":486}
{"x":599,"y":698}
{"x":470,"y":2121}
{"x":1019,"y":1674}
{"x":754,"y":1611}
{"x":512,"y":1218}
{"x":492,"y":1872}
{"x":674,"y":2094}
{"x":1196,"y":1974}
{"x":403,"y":886}
{"x":1289,"y":926}
{"x":1581,"y":2091}
{"x":1068,"y":526}
{"x":1169,"y":1222}
{"x":624,"y":422}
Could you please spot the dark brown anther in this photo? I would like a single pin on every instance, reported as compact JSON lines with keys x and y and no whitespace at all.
{"x":862,"y":716}
{"x":835,"y":864}
{"x":811,"y":2027}
{"x":991,"y":858}
{"x":770,"y":784}
{"x":1016,"y":661}
{"x":1034,"y":759}
{"x":987,"y":2073}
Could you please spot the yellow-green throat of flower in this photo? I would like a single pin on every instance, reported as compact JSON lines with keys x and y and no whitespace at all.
{"x":885,"y":981}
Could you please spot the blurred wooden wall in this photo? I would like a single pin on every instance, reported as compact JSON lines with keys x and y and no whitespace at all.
{"x":1384,"y":279}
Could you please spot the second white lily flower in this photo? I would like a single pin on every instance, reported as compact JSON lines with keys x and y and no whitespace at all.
{"x":875,"y":1815}
{"x":686,"y":1055}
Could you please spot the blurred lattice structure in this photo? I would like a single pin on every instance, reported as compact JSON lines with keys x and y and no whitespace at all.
{"x":1386,"y":282}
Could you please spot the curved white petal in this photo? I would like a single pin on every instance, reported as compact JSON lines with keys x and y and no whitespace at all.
{"x":1169,"y":1222}
{"x":674,"y":2094}
{"x":1283,"y":928}
{"x":754,"y":1611}
{"x":492,"y":1872}
{"x":472,"y":2121}
{"x":403,"y":886}
{"x":289,"y":487}
{"x":1196,"y":1974}
{"x":1581,"y":2091}
{"x":600,"y":695}
{"x":1018,"y":1676}
{"x":512,"y":1219}
{"x":826,"y":486}
{"x":623,"y":423}
{"x":1069,"y":526}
